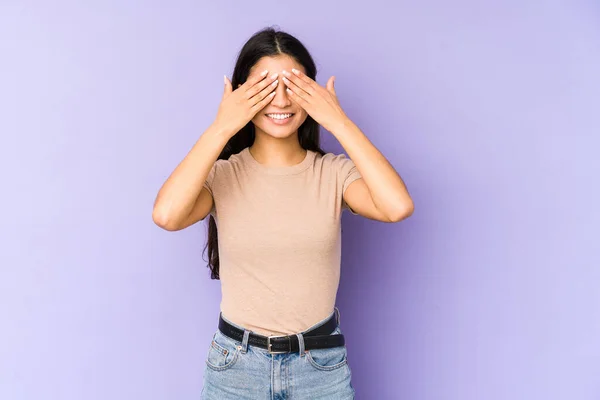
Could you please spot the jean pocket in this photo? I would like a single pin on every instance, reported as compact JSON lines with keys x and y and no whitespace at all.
{"x":329,"y":358}
{"x":222,"y":353}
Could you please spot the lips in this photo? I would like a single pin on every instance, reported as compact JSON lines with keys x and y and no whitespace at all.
{"x":279,"y":115}
{"x":280,"y":118}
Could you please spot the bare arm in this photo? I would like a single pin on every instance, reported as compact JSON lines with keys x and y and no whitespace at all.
{"x":182,"y":201}
{"x":381,"y":193}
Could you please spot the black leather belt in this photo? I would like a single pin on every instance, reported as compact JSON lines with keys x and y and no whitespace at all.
{"x":317,"y":338}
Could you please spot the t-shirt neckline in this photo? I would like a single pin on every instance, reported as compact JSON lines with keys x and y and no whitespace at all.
{"x":284,"y":170}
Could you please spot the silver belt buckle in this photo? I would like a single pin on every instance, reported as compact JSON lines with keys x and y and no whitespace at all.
{"x":269,"y":344}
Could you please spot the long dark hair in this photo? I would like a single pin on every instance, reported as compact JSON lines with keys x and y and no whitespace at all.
{"x":267,"y":42}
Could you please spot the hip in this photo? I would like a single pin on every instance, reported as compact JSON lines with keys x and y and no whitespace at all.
{"x":237,"y":370}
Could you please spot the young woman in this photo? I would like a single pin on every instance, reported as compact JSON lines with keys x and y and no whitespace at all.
{"x":277,"y":198}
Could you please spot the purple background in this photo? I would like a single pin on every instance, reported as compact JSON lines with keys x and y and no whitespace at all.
{"x":489,"y":111}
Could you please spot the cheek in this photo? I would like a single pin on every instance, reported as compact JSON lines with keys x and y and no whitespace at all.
{"x":302,"y":115}
{"x":259,"y":118}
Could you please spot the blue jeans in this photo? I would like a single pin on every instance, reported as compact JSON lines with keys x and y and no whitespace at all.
{"x":236,"y":370}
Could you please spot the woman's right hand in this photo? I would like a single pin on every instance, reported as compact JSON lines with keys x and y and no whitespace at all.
{"x":239,"y":106}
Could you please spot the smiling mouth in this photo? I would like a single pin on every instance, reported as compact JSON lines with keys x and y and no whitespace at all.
{"x":280,"y":116}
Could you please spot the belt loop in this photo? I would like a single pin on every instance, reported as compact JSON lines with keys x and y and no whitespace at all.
{"x":337,"y":311}
{"x":245,"y":341}
{"x":300,"y":343}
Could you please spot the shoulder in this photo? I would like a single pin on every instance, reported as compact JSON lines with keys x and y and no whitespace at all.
{"x":223,"y":170}
{"x":332,"y":160}
{"x":223,"y":166}
{"x":339,"y":164}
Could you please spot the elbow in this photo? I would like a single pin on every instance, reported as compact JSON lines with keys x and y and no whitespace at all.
{"x":404,"y":211}
{"x":162,"y":219}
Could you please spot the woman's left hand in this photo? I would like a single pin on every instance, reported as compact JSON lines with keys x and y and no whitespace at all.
{"x":320,"y":102}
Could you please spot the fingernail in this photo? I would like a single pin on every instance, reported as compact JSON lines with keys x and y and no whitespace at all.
{"x":274,"y":75}
{"x":295,"y":71}
{"x":264,"y":72}
{"x":285,"y":72}
{"x":225,"y":79}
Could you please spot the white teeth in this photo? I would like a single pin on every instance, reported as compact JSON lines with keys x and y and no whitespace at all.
{"x":279,"y":116}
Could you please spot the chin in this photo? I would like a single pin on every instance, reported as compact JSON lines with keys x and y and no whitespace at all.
{"x":279,"y":133}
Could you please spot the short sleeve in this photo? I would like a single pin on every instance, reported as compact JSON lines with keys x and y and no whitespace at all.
{"x":209,"y":185}
{"x":348,"y":173}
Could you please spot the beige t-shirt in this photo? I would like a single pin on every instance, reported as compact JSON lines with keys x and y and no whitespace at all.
{"x":279,"y":239}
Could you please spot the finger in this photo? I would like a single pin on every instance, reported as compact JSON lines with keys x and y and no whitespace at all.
{"x":253,"y":80}
{"x":305,"y":79}
{"x":330,"y":86}
{"x":299,"y":82}
{"x":227,"y":88}
{"x":297,"y":99}
{"x":264,"y":93}
{"x":257,"y":88}
{"x":263,"y":103}
{"x":296,"y":90}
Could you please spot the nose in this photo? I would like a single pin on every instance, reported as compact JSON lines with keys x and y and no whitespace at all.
{"x":281,"y":99}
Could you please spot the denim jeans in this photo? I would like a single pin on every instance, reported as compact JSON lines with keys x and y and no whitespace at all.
{"x":236,"y":370}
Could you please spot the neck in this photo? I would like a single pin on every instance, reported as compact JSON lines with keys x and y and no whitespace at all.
{"x":276,"y":152}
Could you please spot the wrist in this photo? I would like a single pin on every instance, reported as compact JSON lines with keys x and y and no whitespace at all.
{"x":221,"y":132}
{"x":341,"y":126}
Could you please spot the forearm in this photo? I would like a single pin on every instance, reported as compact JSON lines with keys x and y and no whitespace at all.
{"x":177,"y":196}
{"x":387,"y":189}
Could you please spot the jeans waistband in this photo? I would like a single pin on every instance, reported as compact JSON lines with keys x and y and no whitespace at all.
{"x":321,"y":322}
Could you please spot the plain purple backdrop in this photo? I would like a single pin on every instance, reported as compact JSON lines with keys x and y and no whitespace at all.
{"x":490,"y":111}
